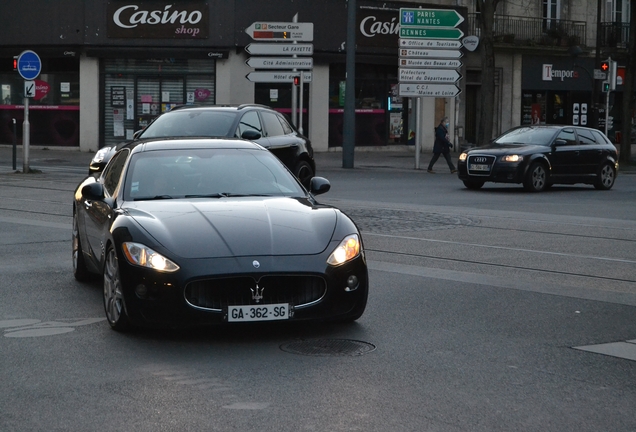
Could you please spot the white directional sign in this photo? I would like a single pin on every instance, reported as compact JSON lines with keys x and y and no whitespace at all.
{"x":433,"y":90}
{"x":430,"y":63}
{"x":279,"y":49}
{"x":29,"y":89}
{"x":280,"y":63}
{"x":429,"y":53}
{"x":280,"y":31}
{"x":278,"y":76}
{"x":424,"y":43}
{"x":428,"y":75}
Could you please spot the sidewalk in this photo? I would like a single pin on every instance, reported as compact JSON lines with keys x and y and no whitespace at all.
{"x":386,"y":157}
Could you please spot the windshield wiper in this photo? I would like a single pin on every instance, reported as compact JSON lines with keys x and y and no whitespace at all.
{"x":156,"y":197}
{"x":212,"y":195}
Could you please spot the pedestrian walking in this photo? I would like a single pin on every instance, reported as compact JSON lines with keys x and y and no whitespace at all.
{"x":442,"y":146}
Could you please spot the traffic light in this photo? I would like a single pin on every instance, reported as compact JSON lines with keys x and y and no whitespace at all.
{"x":296,"y":80}
{"x":606,"y":86}
{"x":605,"y":66}
{"x":15,"y":63}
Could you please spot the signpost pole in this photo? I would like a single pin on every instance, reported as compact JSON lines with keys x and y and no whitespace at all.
{"x":294,"y":89}
{"x":418,"y":132}
{"x":26,"y":138}
{"x":300,"y":103}
{"x":349,"y":117}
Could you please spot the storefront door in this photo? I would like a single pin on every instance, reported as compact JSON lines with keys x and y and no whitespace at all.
{"x":156,"y":95}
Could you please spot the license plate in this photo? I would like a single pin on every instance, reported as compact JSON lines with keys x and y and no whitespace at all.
{"x":270,"y":312}
{"x":479,"y":167}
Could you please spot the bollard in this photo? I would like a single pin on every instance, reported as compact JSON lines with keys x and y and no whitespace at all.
{"x":15,"y":135}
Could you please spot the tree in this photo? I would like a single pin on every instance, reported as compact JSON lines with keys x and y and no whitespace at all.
{"x":487,"y":10}
{"x":627,"y":110}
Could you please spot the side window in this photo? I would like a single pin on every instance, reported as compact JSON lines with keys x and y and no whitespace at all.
{"x":250,"y":121}
{"x":272,"y":125}
{"x":568,"y":135}
{"x":113,"y":170}
{"x":600,"y":138}
{"x":585,"y":137}
{"x":286,"y":126}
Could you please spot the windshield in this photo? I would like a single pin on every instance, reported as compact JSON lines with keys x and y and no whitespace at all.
{"x":190,"y":124}
{"x":528,"y":135}
{"x":207,"y":173}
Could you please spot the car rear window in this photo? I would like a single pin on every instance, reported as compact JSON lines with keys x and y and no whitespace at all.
{"x":191,"y":124}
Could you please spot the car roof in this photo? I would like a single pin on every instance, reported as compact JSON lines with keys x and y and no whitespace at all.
{"x":192,"y":143}
{"x":223,"y":107}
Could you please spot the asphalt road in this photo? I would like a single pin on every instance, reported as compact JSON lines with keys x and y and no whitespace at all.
{"x":490,"y":310}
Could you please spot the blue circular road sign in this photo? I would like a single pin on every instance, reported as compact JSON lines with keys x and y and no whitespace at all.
{"x":29,"y":65}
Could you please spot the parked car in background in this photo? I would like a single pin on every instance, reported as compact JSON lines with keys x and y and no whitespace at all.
{"x":257,"y":123}
{"x":210,"y":231}
{"x":540,"y":156}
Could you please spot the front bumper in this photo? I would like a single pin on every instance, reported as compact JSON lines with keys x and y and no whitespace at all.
{"x":169,"y":299}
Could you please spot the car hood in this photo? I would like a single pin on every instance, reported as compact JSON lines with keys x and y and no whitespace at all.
{"x":504,"y":149}
{"x":225,"y":227}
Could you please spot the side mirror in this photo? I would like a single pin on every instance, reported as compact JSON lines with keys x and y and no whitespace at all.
{"x":93,"y":191}
{"x":560,"y":142}
{"x":251,"y":135}
{"x":319,"y":185}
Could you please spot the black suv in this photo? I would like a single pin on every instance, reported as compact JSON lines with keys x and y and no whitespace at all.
{"x":257,"y":123}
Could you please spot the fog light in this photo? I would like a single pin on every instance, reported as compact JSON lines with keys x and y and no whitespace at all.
{"x":352,"y":283}
{"x":141,"y":290}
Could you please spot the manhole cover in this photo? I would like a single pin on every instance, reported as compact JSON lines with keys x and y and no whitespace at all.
{"x":328,"y":347}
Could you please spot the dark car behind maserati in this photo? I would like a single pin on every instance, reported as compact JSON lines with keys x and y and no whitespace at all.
{"x":253,"y":122}
{"x":540,"y":156}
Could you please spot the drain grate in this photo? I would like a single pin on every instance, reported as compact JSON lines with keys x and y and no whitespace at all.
{"x":328,"y":347}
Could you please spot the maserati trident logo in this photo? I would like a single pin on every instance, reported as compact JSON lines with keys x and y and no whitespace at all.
{"x":257,"y":293}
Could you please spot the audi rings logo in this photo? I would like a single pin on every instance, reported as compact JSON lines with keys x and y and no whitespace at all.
{"x":480,"y":159}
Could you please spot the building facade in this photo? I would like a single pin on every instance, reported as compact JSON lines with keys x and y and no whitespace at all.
{"x":108,"y":68}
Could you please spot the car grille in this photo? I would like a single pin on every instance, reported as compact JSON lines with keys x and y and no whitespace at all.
{"x":216,"y":294}
{"x":480,"y":164}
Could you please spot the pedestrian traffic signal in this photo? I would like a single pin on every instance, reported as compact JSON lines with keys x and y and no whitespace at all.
{"x":605,"y":65}
{"x":606,"y":86}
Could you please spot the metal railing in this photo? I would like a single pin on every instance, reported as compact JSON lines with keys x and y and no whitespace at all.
{"x":533,"y":31}
{"x":614,"y":34}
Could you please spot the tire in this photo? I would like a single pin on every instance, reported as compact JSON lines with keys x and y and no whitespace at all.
{"x":80,"y":271}
{"x":606,"y":177}
{"x":114,"y":304}
{"x":303,"y":172}
{"x":536,"y":178}
{"x":473,"y":184}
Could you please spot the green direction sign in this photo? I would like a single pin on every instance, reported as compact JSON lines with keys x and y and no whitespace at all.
{"x":430,"y":33}
{"x":430,"y":17}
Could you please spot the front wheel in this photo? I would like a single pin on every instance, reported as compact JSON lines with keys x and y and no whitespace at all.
{"x":114,"y":305}
{"x":473,"y":184}
{"x":606,"y":177}
{"x":80,"y":271}
{"x":303,"y":172}
{"x":536,"y":178}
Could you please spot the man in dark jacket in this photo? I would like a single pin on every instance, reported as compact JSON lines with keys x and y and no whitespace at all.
{"x":442,"y":145}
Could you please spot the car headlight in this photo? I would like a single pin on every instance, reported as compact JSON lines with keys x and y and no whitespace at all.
{"x":143,"y":256}
{"x":512,"y":158}
{"x":348,"y":249}
{"x":101,"y":154}
{"x":463,"y":156}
